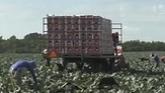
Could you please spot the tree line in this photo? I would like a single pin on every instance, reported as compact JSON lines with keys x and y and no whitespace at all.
{"x":31,"y":43}
{"x":137,"y":45}
{"x":36,"y":42}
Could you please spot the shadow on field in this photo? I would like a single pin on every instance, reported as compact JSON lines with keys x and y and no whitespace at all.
{"x":134,"y":71}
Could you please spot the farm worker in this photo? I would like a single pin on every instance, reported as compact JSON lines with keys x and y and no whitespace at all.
{"x":154,"y":59}
{"x":45,"y":56}
{"x":17,"y":68}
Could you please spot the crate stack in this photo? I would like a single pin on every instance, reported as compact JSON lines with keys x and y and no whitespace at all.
{"x":77,"y":35}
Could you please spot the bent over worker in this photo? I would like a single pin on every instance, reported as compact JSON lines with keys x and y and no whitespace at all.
{"x":17,"y":68}
{"x":48,"y":55}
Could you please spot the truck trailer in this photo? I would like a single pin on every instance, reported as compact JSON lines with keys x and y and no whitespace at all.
{"x":87,"y":40}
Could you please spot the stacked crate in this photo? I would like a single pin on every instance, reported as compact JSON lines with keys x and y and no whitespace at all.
{"x":55,"y":27}
{"x":77,"y":35}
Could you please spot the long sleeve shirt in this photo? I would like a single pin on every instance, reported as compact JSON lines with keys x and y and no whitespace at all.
{"x":21,"y":64}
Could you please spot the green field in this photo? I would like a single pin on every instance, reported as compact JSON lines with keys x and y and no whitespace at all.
{"x":139,"y":79}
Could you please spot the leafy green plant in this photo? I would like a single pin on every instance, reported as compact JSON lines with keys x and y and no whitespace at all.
{"x":139,"y":79}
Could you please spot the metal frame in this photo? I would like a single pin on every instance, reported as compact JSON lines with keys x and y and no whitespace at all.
{"x":120,"y":28}
{"x":44,"y":24}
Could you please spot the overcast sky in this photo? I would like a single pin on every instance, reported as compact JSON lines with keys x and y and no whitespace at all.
{"x":142,"y":19}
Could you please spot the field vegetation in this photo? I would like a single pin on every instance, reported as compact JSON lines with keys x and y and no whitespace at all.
{"x":140,"y":78}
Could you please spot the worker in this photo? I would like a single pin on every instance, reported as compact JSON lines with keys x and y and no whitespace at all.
{"x":154,"y":59}
{"x":17,"y":68}
{"x":45,"y":56}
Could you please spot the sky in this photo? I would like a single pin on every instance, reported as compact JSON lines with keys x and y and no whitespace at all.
{"x":142,"y":19}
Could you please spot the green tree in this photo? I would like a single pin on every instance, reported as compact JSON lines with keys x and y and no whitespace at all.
{"x":35,"y":42}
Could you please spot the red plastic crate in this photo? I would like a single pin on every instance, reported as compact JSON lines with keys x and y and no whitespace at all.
{"x":80,"y":31}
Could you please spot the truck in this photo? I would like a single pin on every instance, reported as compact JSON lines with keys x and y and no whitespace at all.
{"x":86,"y":40}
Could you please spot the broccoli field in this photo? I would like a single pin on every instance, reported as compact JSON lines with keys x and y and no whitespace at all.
{"x":140,"y":78}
